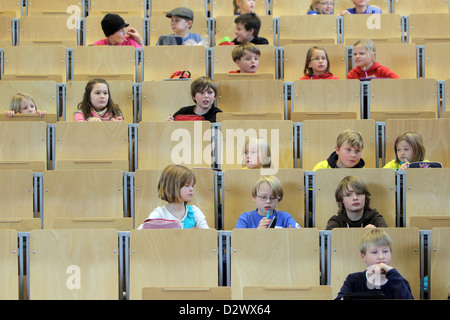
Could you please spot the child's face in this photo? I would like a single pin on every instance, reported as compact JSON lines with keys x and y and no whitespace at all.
{"x":99,"y":96}
{"x":118,"y":36}
{"x":353,"y":202}
{"x":205,"y":99}
{"x":249,"y":62}
{"x":187,"y":192}
{"x":377,"y":254}
{"x":264,"y":199}
{"x":404,"y":151}
{"x":362,"y":57}
{"x":252,"y":160}
{"x":348,"y":156}
{"x":27,"y":106}
{"x":246,"y":6}
{"x":318,"y":62}
{"x":360,"y":3}
{"x":179,"y":25}
{"x":243,"y":35}
{"x":325,"y":6}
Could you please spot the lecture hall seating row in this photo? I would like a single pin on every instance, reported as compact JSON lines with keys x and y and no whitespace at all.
{"x":69,"y":145}
{"x":156,"y":63}
{"x":71,"y":31}
{"x":70,"y":198}
{"x":147,"y":8}
{"x":150,"y":264}
{"x":299,"y":100}
{"x":129,"y":147}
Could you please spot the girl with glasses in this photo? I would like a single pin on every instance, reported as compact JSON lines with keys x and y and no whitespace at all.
{"x":321,"y":7}
{"x":317,"y":65}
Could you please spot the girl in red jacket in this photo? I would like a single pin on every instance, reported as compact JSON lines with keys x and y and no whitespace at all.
{"x":364,"y":55}
{"x":317,"y":65}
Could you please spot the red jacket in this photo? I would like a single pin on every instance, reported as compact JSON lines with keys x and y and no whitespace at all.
{"x":375,"y":71}
{"x":323,"y":76}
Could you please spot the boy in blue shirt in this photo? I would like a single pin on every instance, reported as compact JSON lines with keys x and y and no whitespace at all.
{"x":361,"y":7}
{"x":267,"y":193}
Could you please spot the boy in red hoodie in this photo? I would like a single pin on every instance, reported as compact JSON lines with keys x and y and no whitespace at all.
{"x":364,"y":55}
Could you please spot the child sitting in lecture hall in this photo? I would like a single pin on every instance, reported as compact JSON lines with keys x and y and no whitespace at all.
{"x":379,"y":277}
{"x":203,"y":92}
{"x":176,"y":186}
{"x":408,"y":147}
{"x":267,"y":193}
{"x":321,"y":7}
{"x":353,"y":199}
{"x":257,"y":154}
{"x":247,"y":29}
{"x":23,"y":103}
{"x":243,"y":6}
{"x":347,"y":154}
{"x":361,"y":7}
{"x":97,"y":104}
{"x":114,"y":28}
{"x":364,"y":56}
{"x":181,"y":20}
{"x":317,"y":65}
{"x":246,"y":56}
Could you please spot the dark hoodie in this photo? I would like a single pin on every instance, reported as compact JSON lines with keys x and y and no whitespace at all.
{"x":370,"y":216}
{"x":332,"y":160}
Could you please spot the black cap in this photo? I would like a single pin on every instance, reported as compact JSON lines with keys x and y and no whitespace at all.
{"x":111,"y":23}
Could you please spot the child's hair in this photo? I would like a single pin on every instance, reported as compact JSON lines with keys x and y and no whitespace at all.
{"x":353,"y":137}
{"x":368,"y":44}
{"x":239,"y":51}
{"x":235,"y":7}
{"x":263,"y":147}
{"x":203,"y":83}
{"x":309,"y":71}
{"x":275,"y":186}
{"x":172,"y":179}
{"x":250,"y":21}
{"x":414,"y":139}
{"x":354,"y":183}
{"x":18,"y":99}
{"x":85,"y":106}
{"x":375,"y":237}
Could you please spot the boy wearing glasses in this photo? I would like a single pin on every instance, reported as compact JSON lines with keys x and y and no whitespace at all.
{"x":267,"y":193}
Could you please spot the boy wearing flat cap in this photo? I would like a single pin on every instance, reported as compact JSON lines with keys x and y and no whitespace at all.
{"x":181,"y":22}
{"x":114,"y":28}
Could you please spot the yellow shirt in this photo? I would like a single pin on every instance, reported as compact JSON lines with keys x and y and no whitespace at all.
{"x":393,"y":164}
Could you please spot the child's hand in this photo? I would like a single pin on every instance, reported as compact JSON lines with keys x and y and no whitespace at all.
{"x":170,"y":118}
{"x":41,"y":113}
{"x":9,"y":113}
{"x":343,"y":13}
{"x":134,"y":34}
{"x":404,"y":166}
{"x":94,"y":119}
{"x":381,"y":268}
{"x":264,"y":223}
{"x":117,"y":119}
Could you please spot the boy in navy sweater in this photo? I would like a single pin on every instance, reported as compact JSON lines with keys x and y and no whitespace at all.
{"x":380,"y":276}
